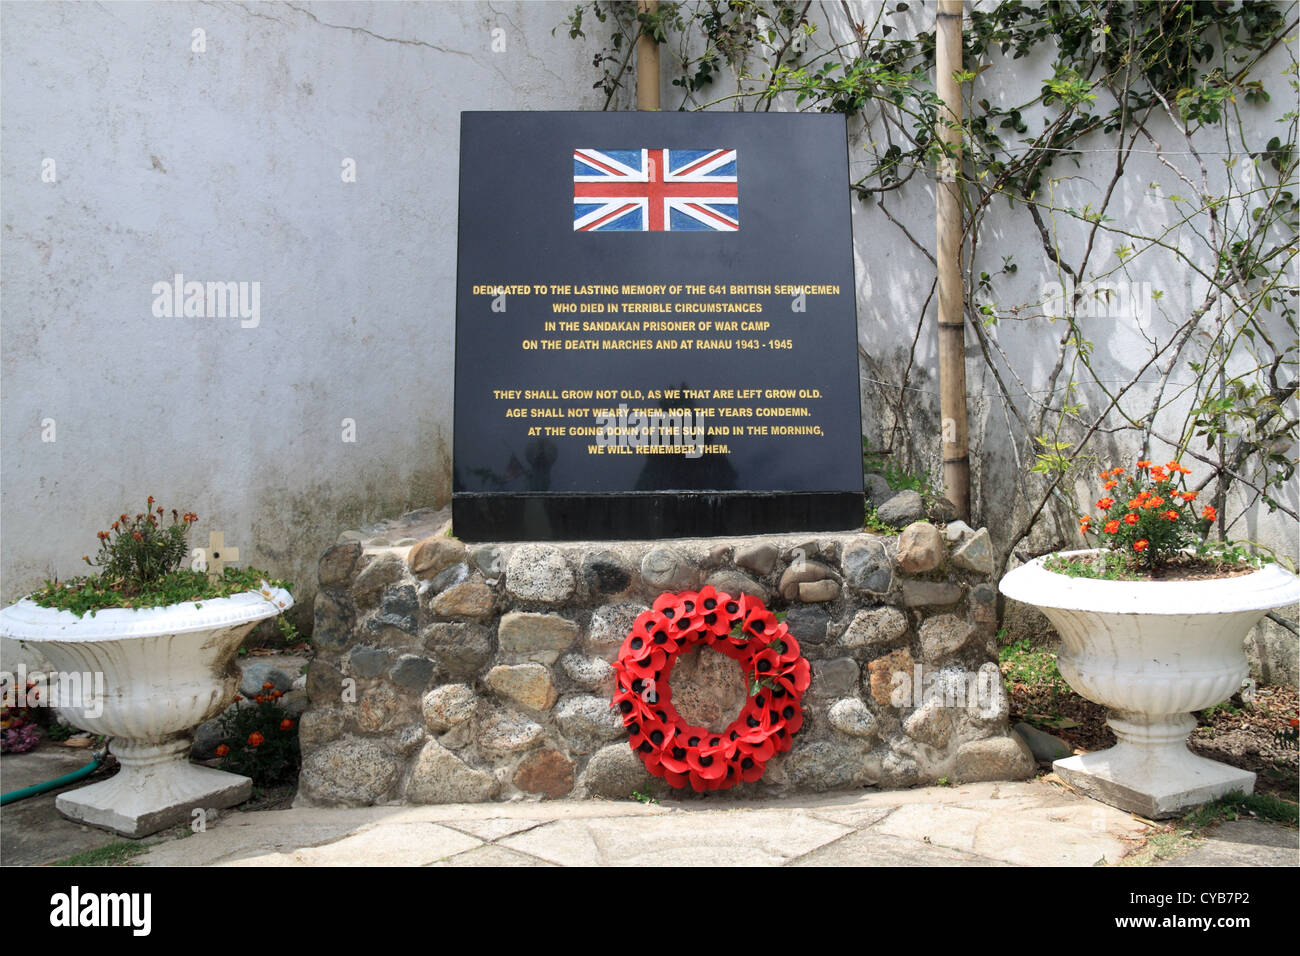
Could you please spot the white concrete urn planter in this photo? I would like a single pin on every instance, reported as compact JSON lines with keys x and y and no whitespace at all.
{"x":1152,"y":652}
{"x":148,"y":677}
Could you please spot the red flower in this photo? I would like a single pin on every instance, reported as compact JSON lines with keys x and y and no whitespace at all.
{"x":137,"y":535}
{"x":1209,"y":513}
{"x":255,"y":739}
{"x":1110,"y":527}
{"x":1105,"y":504}
{"x":222,"y":750}
{"x":1170,"y":515}
{"x":286,"y":724}
{"x":268,"y":686}
{"x":1140,"y":544}
{"x":1130,"y":518}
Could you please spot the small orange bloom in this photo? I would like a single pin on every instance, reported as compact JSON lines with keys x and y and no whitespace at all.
{"x":137,"y":535}
{"x":1155,"y":502}
{"x":1170,"y":515}
{"x":1130,"y":518}
{"x":1144,"y":464}
{"x":1110,"y":527}
{"x":286,"y":724}
{"x":222,"y":750}
{"x":1085,"y":524}
{"x":1209,"y":513}
{"x":255,"y":739}
{"x":268,"y":686}
{"x":1105,"y":504}
{"x":1140,"y":544}
{"x":1110,"y":484}
{"x":103,"y":535}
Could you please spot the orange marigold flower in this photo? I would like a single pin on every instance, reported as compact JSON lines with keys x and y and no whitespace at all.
{"x":1144,"y":464}
{"x":103,"y":535}
{"x":286,"y":724}
{"x":1085,"y":524}
{"x":1209,"y":513}
{"x":1130,"y":518}
{"x":1140,"y":544}
{"x":1171,"y":515}
{"x":238,"y":698}
{"x":1110,"y":527}
{"x":1155,"y":502}
{"x":255,"y":739}
{"x":137,"y":535}
{"x":115,"y":525}
{"x":1105,"y":504}
{"x":1110,"y":484}
{"x":222,"y":750}
{"x":268,"y":686}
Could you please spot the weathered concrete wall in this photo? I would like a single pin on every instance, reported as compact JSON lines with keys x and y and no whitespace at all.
{"x":228,"y":164}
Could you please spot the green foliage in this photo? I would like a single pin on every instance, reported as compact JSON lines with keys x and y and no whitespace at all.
{"x":871,"y":522}
{"x":1234,"y":806}
{"x":111,"y":854}
{"x":179,"y":587}
{"x":878,"y":462}
{"x":1107,"y":566}
{"x":1149,"y":516}
{"x":135,"y":553}
{"x":262,"y":740}
{"x":1022,"y":664}
{"x":643,"y":796}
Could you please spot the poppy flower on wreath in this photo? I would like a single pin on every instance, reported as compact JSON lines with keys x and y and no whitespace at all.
{"x":776,"y":673}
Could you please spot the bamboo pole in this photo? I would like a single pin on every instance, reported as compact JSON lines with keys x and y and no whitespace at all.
{"x":647,"y":63}
{"x":952,"y":329}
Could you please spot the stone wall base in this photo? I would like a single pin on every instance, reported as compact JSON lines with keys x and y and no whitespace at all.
{"x":449,"y":672}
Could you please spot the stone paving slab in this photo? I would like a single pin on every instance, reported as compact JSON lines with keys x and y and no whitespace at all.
{"x":987,"y":824}
{"x":1242,"y":843}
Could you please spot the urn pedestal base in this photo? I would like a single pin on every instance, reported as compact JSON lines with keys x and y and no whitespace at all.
{"x":1150,"y":771}
{"x":157,"y":787}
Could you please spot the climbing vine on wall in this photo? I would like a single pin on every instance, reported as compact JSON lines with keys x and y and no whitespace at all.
{"x":1189,"y":86}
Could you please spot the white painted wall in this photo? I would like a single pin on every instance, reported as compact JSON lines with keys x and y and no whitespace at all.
{"x":226,"y":165}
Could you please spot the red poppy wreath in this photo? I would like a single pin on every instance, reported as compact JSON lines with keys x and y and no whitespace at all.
{"x":744,"y":630}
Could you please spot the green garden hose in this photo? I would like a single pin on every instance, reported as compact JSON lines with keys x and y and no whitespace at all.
{"x":37,"y":788}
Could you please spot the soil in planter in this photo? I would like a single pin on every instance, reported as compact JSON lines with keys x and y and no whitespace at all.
{"x":1186,"y":567}
{"x":1245,"y":735}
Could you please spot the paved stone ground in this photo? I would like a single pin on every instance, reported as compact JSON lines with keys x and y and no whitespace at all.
{"x":32,"y":832}
{"x":1032,"y":823}
{"x":987,"y":824}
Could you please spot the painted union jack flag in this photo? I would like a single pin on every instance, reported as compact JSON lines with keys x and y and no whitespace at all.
{"x":655,"y":190}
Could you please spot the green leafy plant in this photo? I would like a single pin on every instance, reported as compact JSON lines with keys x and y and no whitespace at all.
{"x":137,"y":552}
{"x":1149,"y":517}
{"x":263,"y":740}
{"x":643,"y":796}
{"x":139,"y":560}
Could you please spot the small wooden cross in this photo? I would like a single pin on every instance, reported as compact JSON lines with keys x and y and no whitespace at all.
{"x":216,"y":554}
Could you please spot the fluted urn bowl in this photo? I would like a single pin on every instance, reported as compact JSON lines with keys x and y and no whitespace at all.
{"x":146,"y":678}
{"x":1152,"y":652}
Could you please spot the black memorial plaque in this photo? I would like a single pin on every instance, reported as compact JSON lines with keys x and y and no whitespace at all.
{"x":655,"y":327}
